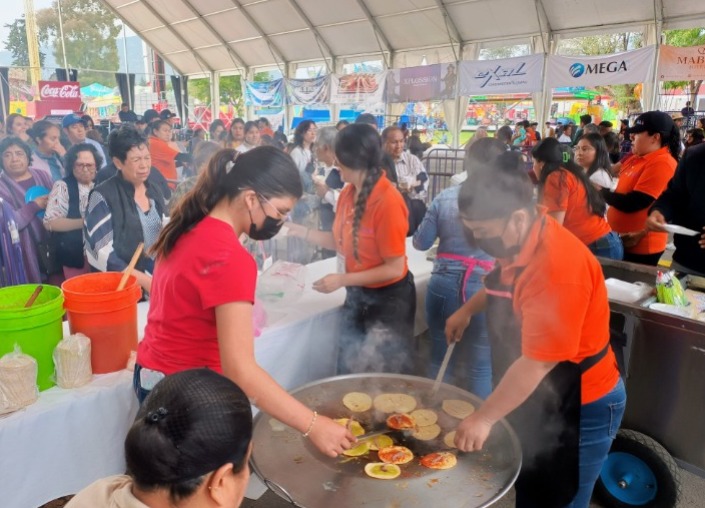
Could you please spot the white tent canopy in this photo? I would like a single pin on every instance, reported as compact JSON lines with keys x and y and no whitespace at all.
{"x":200,"y":37}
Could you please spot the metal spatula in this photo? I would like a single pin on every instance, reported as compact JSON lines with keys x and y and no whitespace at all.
{"x":442,"y":371}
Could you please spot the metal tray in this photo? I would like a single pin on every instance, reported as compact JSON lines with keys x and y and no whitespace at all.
{"x":295,"y":470}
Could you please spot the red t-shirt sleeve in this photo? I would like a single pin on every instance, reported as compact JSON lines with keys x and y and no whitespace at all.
{"x":391,"y":226}
{"x":552,"y":322}
{"x":555,"y":192}
{"x":229,"y":278}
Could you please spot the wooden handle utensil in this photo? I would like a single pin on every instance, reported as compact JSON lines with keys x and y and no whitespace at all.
{"x":128,"y":271}
{"x":33,"y":297}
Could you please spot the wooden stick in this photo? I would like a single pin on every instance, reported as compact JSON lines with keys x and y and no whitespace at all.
{"x":34,"y":296}
{"x":128,"y":271}
{"x":442,"y":370}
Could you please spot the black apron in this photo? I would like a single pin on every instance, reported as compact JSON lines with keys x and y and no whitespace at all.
{"x":548,"y":422}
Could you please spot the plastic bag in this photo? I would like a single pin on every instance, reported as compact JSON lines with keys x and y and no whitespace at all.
{"x":72,"y":360}
{"x":669,"y":289}
{"x":283,"y":283}
{"x":18,"y":381}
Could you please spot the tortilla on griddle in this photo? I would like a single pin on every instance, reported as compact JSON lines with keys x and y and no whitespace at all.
{"x":424,"y":417}
{"x":427,"y":432}
{"x":400,"y":422}
{"x":395,"y":455}
{"x":357,"y":402}
{"x":394,"y":403}
{"x":382,"y":470}
{"x":439,"y":460}
{"x":449,"y":440}
{"x":458,"y":408}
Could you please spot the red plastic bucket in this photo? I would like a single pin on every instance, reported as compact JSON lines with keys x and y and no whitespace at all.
{"x":108,"y":317}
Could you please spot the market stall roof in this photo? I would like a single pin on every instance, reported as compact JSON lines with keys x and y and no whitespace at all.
{"x":202,"y":36}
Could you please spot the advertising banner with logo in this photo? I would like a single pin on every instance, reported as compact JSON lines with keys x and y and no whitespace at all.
{"x":264,"y":93}
{"x":616,"y":69}
{"x":423,"y":83}
{"x":681,"y":64}
{"x":503,"y":76}
{"x":58,"y":98}
{"x":358,"y":88}
{"x":305,"y":92}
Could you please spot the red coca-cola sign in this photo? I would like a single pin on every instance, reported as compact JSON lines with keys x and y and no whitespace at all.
{"x":59,"y":90}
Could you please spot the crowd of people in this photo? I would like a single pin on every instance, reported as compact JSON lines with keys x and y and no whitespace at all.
{"x":511,"y":244}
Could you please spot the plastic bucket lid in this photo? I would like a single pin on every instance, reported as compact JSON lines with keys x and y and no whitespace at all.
{"x":94,"y":293}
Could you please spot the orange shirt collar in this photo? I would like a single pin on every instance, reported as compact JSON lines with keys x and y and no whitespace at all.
{"x":654,"y":154}
{"x":528,"y":250}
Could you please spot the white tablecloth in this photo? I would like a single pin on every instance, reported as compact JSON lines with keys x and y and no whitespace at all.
{"x":71,"y":438}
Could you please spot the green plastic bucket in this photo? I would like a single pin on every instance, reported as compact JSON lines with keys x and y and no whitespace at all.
{"x":36,"y":330}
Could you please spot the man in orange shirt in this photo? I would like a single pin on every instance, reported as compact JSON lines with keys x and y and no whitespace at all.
{"x":556,"y":377}
{"x":642,"y":179}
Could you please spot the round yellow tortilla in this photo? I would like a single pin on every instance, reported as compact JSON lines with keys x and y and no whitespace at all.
{"x":394,"y":403}
{"x":458,"y":408}
{"x":439,"y":460}
{"x":358,"y":450}
{"x":379,"y":442}
{"x":382,"y":470}
{"x":424,"y":417}
{"x":449,"y":440}
{"x":357,"y":402}
{"x":356,"y":429}
{"x":427,"y":432}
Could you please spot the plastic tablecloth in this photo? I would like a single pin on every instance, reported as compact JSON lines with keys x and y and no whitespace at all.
{"x":70,"y":438}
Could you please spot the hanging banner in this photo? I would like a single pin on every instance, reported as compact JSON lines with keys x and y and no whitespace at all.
{"x":681,"y":64}
{"x":616,"y":69}
{"x":358,"y":88}
{"x":423,"y":83}
{"x":264,"y":93}
{"x":522,"y":74}
{"x":305,"y":92}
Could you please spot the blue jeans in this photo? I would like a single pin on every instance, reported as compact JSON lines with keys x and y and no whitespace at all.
{"x":609,"y":246}
{"x":471,"y":359}
{"x":140,"y":392}
{"x":599,"y":423}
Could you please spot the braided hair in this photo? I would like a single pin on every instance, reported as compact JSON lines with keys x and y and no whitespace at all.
{"x":358,"y":147}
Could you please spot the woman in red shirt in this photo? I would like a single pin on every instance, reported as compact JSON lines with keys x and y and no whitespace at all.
{"x":369,"y":235}
{"x":570,"y":198}
{"x":203,"y":289}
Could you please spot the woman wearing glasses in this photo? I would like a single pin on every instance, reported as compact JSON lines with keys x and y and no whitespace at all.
{"x":67,"y":207}
{"x":203,"y":288}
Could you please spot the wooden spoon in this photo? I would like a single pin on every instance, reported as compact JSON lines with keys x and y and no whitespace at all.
{"x":128,"y":271}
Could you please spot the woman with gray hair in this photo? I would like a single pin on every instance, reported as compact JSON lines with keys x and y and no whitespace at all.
{"x":327,"y":177}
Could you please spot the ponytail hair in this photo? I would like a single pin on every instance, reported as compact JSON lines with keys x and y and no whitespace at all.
{"x":557,"y":156}
{"x":358,"y":147}
{"x":672,"y":139}
{"x":266,"y":170}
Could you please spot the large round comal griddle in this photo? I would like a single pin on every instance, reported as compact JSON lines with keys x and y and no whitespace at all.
{"x":290,"y":465}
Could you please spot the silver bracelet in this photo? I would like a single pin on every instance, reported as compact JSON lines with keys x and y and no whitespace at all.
{"x":310,"y":425}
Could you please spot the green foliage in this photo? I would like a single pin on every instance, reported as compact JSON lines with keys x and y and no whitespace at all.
{"x":230,"y":92}
{"x":16,"y":43}
{"x":90,"y":33}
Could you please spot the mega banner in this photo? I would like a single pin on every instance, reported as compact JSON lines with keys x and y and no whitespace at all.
{"x":358,"y":88}
{"x":265,"y":94}
{"x":305,"y":92}
{"x":423,"y":83}
{"x":681,"y":64}
{"x":616,"y":69}
{"x":503,"y":76}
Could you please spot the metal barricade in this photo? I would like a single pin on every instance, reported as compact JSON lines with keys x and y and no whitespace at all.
{"x":441,"y":164}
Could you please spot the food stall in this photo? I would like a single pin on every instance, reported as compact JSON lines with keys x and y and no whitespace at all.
{"x":664,"y":360}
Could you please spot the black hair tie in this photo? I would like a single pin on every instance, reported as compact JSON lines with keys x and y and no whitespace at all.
{"x":156,"y":416}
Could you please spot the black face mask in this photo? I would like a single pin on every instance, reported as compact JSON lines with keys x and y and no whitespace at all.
{"x":494,"y":245}
{"x":270,"y":227}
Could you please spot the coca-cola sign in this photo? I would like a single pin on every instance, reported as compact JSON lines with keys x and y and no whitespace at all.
{"x":59,"y":90}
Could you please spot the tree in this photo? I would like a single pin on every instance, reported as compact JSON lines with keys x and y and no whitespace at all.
{"x":685,"y":38}
{"x":606,"y":44}
{"x":16,"y":43}
{"x":230,"y":92}
{"x":90,"y":32}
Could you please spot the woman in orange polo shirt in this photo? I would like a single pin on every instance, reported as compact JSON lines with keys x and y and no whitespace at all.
{"x":566,"y":192}
{"x":642,"y":179}
{"x":369,"y":235}
{"x":556,"y":377}
{"x":163,"y":151}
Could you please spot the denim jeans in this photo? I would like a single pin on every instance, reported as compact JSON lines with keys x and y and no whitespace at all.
{"x":609,"y":246}
{"x":599,"y":423}
{"x":472,"y":360}
{"x":140,"y":392}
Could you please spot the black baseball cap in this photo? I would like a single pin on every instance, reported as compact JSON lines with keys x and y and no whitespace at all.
{"x":165,"y":114}
{"x":652,"y":121}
